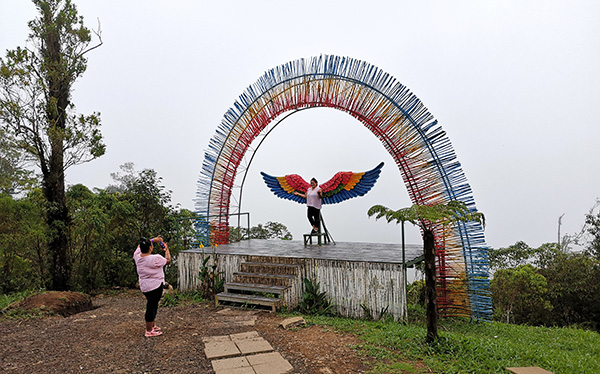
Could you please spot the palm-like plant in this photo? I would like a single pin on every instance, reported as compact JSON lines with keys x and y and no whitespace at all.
{"x":428,"y":218}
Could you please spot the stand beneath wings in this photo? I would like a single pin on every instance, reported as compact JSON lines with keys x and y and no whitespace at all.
{"x":322,"y":237}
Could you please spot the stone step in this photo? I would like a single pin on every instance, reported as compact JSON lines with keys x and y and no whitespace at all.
{"x":269,"y":268}
{"x":246,"y":300}
{"x":267,"y":279}
{"x":234,"y":287}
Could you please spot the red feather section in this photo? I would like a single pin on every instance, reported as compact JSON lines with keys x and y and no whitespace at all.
{"x":296,"y":183}
{"x":343,"y":177}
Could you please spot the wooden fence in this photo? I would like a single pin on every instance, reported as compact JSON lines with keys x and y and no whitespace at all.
{"x":352,"y":286}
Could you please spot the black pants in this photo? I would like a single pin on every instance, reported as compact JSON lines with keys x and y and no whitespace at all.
{"x":152,"y":297}
{"x":314,"y":217}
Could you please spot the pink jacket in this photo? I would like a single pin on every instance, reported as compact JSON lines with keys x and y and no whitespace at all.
{"x":150,"y":270}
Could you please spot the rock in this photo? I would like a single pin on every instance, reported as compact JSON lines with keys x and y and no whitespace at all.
{"x":289,"y":323}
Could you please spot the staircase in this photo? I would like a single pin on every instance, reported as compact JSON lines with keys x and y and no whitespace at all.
{"x":259,"y":285}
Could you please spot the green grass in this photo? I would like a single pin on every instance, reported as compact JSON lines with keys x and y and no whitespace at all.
{"x":7,"y":299}
{"x":16,"y":313}
{"x":469,"y":347}
{"x":177,"y":298}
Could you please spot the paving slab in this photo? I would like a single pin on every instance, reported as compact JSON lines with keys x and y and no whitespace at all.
{"x":269,"y":363}
{"x":220,"y":348}
{"x":251,"y":342}
{"x":256,"y":345}
{"x":244,"y":335}
{"x":220,"y":338}
{"x":528,"y":370}
{"x":237,"y":365}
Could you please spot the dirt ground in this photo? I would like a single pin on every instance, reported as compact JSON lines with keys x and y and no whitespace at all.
{"x":110,"y":338}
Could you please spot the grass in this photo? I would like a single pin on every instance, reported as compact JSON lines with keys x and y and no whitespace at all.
{"x":17,"y":313}
{"x":177,"y":298}
{"x":7,"y":299}
{"x":469,"y":347}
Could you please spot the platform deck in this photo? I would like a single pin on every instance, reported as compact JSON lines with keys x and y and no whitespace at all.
{"x":355,"y":275}
{"x":344,"y":251}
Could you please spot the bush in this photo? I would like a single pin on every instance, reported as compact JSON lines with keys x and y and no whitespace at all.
{"x":314,"y":302}
{"x":415,"y":293}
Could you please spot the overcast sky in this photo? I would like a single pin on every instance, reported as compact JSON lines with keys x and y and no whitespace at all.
{"x":515,"y":84}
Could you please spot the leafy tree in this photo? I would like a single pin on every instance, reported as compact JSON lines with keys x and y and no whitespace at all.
{"x":14,"y":177}
{"x":589,"y":235}
{"x":36,"y":110}
{"x":511,"y":257}
{"x":22,"y":250}
{"x":153,"y":213}
{"x":149,"y":198}
{"x":573,"y":289}
{"x":429,"y":219}
{"x":271,"y":230}
{"x":519,"y":295}
{"x":103,"y":228}
{"x":592,"y":223}
{"x":521,"y":254}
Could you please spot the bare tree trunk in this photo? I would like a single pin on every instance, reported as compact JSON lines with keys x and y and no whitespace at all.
{"x":430,"y":280}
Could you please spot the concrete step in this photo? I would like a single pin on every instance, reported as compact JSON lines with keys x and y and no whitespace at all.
{"x":269,"y":268}
{"x":234,"y":287}
{"x":248,"y":300}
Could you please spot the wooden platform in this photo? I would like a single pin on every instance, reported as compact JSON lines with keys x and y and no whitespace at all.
{"x":345,"y":251}
{"x":357,"y":277}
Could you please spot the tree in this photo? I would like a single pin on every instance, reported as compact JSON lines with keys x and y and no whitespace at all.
{"x":149,"y":198}
{"x":14,"y":177}
{"x":102,"y":238}
{"x":271,"y":230}
{"x":592,"y":226}
{"x":521,"y":254}
{"x":429,"y":218}
{"x":22,"y":257}
{"x":36,"y":83}
{"x":573,"y":289}
{"x":511,"y":257}
{"x":520,"y":295}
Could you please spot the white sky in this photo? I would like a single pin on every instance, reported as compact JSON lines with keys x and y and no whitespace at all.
{"x":515,"y":84}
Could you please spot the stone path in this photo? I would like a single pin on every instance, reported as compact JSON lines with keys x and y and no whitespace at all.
{"x":243,"y":353}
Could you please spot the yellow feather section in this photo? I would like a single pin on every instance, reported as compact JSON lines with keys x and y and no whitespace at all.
{"x":284,"y":184}
{"x":354,"y":179}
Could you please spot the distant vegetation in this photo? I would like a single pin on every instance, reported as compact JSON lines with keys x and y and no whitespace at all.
{"x":105,"y":227}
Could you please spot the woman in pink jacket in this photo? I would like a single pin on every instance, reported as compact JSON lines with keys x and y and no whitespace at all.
{"x":152,"y":278}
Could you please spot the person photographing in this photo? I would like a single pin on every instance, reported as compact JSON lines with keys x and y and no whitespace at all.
{"x":151,"y":278}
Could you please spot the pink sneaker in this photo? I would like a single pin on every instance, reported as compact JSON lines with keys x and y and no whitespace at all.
{"x":156,"y":328}
{"x":152,"y":333}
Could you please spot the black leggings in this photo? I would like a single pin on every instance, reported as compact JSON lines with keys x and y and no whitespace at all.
{"x":313,"y":216}
{"x":153,"y":298}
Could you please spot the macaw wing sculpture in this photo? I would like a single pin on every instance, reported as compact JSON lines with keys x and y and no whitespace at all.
{"x":346,"y":185}
{"x":284,"y":187}
{"x":343,"y":186}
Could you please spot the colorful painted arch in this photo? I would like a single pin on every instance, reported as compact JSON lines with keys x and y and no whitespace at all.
{"x":414,"y":139}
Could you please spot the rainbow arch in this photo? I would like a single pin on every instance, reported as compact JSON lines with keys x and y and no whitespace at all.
{"x":414,"y":139}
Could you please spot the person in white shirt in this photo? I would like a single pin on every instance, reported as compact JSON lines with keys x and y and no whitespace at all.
{"x":313,"y":197}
